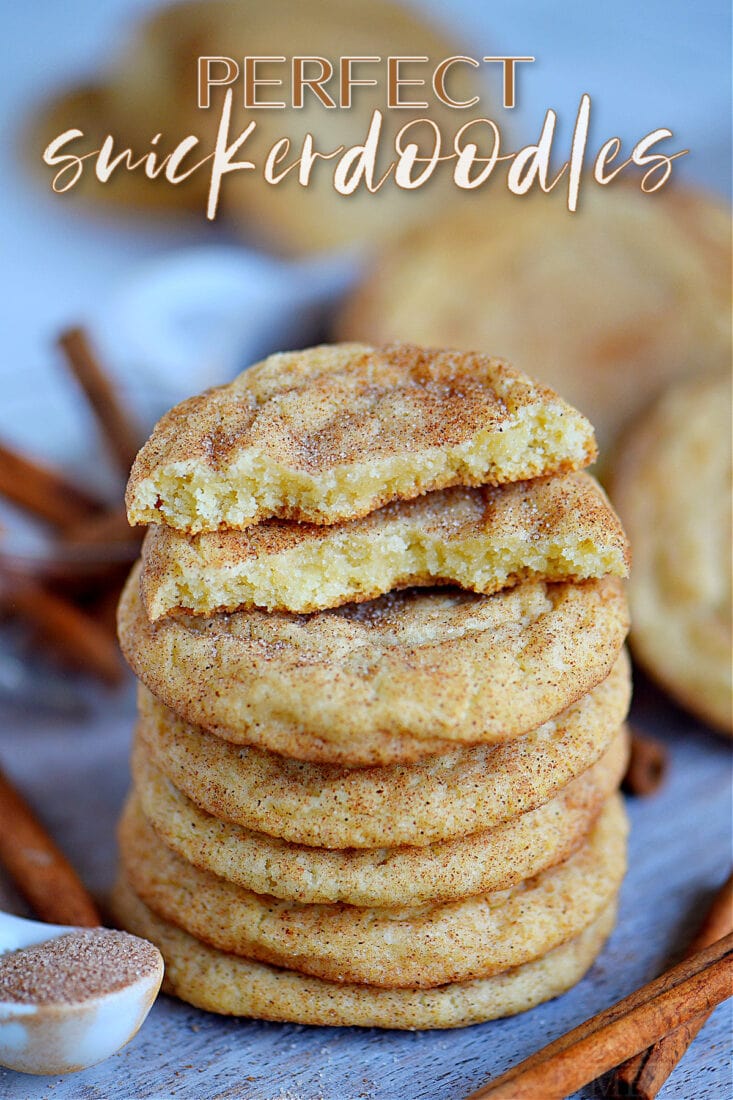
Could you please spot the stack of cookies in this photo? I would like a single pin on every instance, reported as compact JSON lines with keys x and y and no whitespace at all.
{"x":378,"y":625}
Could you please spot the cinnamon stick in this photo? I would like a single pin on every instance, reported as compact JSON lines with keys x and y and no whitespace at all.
{"x":39,"y":868}
{"x":671,"y":1001}
{"x":114,"y":419}
{"x":647,"y":767}
{"x":104,"y":608}
{"x":105,"y":527}
{"x":643,"y":1075}
{"x":43,"y":491}
{"x":75,"y":635}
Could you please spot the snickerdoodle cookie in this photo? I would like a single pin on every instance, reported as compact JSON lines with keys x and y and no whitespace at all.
{"x":401,"y":947}
{"x":482,"y":539}
{"x":384,"y":680}
{"x":485,"y":861}
{"x":464,"y":790}
{"x":672,"y":481}
{"x":235,"y":986}
{"x":150,"y":86}
{"x":608,"y":304}
{"x":333,"y":432}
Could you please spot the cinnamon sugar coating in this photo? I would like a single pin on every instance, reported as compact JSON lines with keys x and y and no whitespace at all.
{"x":78,"y":966}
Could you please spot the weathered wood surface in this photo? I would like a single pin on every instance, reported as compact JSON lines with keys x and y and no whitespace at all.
{"x":76,"y":777}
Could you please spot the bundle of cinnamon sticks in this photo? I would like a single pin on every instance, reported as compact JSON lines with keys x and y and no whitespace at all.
{"x":69,"y":596}
{"x":645,"y":1035}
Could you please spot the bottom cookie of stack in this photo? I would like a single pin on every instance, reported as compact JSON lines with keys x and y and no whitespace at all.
{"x":236,"y":986}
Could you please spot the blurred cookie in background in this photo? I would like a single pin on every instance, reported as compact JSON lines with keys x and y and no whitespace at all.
{"x":672,"y":484}
{"x":90,"y":108}
{"x":294,"y":218}
{"x":151,"y":86}
{"x":608,"y":304}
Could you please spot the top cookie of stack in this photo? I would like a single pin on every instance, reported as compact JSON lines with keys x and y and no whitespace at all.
{"x":347,"y":439}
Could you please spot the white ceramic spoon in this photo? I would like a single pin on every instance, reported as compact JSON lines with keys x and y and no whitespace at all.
{"x":62,"y":1036}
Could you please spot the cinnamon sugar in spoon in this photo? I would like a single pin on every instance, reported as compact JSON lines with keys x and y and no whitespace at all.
{"x":70,"y":994}
{"x":69,"y":1001}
